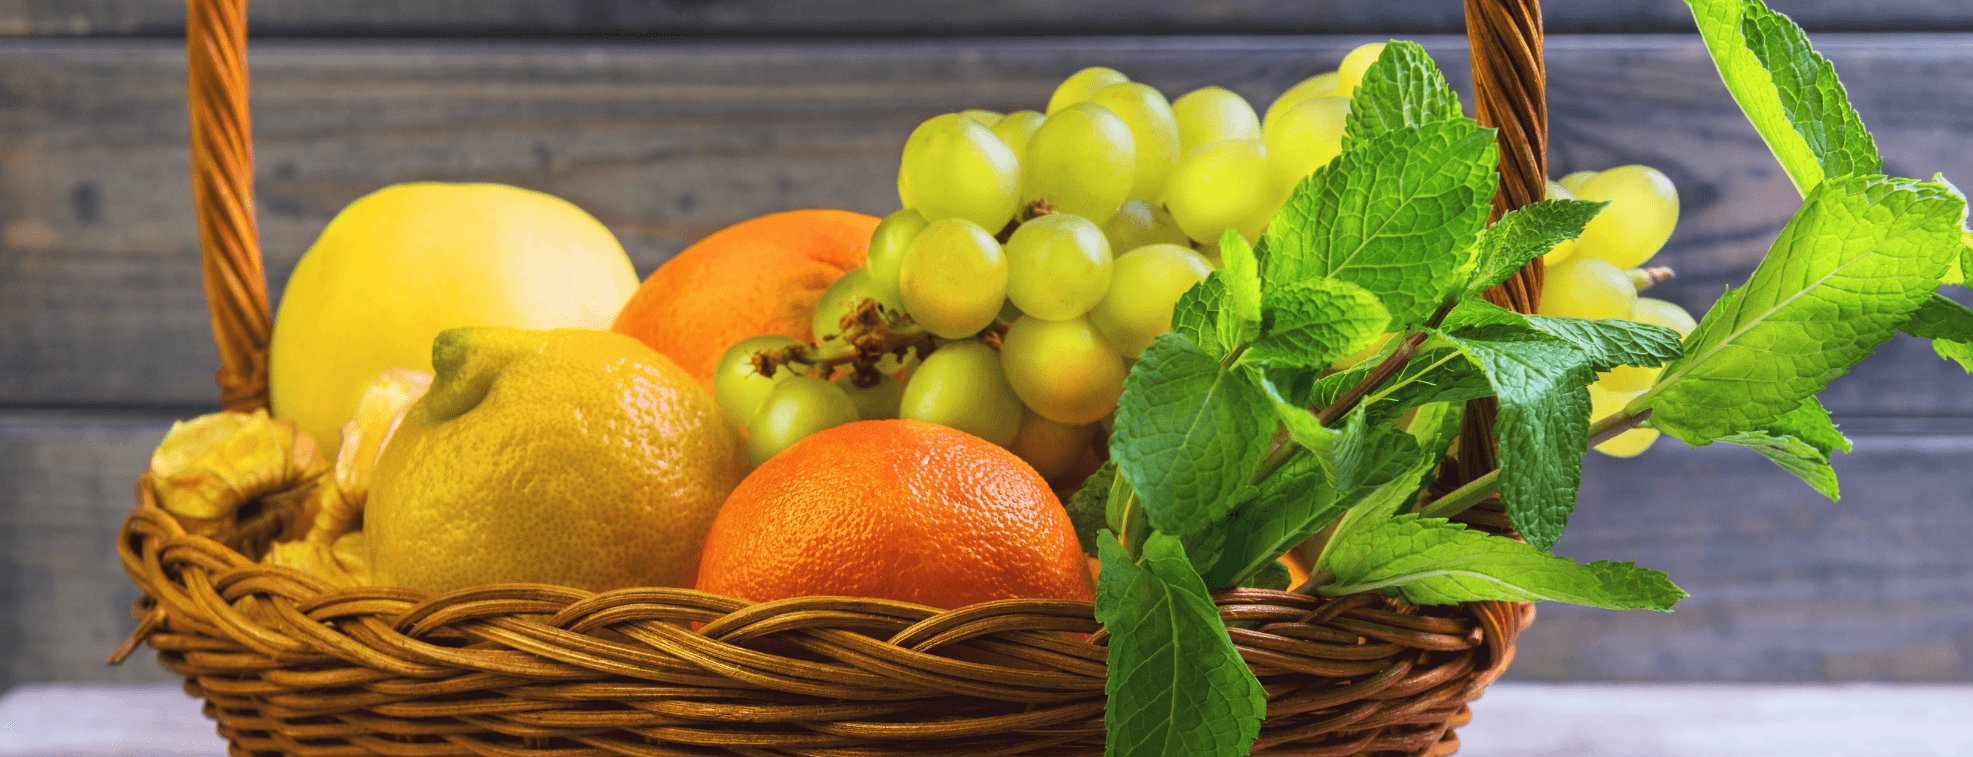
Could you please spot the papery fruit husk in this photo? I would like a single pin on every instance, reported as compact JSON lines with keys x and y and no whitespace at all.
{"x":243,"y":479}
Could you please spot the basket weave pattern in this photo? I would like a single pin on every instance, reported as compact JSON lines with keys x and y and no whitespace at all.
{"x":290,"y":665}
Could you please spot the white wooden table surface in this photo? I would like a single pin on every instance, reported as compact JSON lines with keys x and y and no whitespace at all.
{"x":1514,"y":720}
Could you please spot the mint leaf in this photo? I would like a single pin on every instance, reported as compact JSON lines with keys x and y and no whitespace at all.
{"x":1189,"y":434}
{"x":1371,"y":453}
{"x":1524,"y":234}
{"x":1433,"y":430}
{"x":1793,"y":455}
{"x":1198,"y":313}
{"x":1309,"y":324}
{"x":1089,"y":506}
{"x":1948,"y":324}
{"x":1273,"y":575}
{"x":1397,"y":214}
{"x":1810,"y":423}
{"x":1788,"y":92}
{"x":1861,"y":255}
{"x":1302,"y":425}
{"x":1289,"y":507}
{"x":1432,"y":561}
{"x":1607,"y":342}
{"x":1401,"y":88}
{"x":1176,"y":686}
{"x":1243,"y":275}
{"x":1543,"y":427}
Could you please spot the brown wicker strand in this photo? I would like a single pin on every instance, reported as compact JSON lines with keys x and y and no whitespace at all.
{"x":222,"y":193}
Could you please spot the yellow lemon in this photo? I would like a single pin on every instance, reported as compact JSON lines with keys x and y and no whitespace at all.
{"x":401,"y":264}
{"x":571,"y":457}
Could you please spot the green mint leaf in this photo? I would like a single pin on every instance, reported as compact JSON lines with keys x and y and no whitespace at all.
{"x":1089,"y":506}
{"x":1397,"y":215}
{"x":1543,"y":427}
{"x":1608,"y":342}
{"x":1401,"y":88}
{"x":1860,"y":256}
{"x":1948,"y":324}
{"x":1243,"y":275}
{"x":1810,"y":423}
{"x":1431,"y":561}
{"x":1525,"y":234}
{"x":1309,"y":324}
{"x":1370,"y":454}
{"x":1302,"y":425}
{"x":1189,"y":434}
{"x":1199,"y":312}
{"x":1288,"y":508}
{"x":1957,"y":275}
{"x":1273,"y":575}
{"x":1177,"y":687}
{"x":1436,"y":372}
{"x":1787,"y":90}
{"x":1433,"y":431}
{"x":1793,"y":455}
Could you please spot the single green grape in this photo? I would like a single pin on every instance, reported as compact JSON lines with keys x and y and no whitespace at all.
{"x":1051,"y":448}
{"x":796,"y":407}
{"x":1643,"y":209}
{"x":1138,"y":223}
{"x":1058,"y":266}
{"x":953,"y":278}
{"x":1210,"y":114}
{"x":1017,"y":128}
{"x":1350,"y":73}
{"x":1566,"y":248}
{"x":1082,"y":161}
{"x":1632,"y":443}
{"x":986,"y":118}
{"x":1152,"y":129}
{"x":1655,"y":312}
{"x":1082,"y":85}
{"x":875,"y":403}
{"x":886,"y":254}
{"x":962,"y":386}
{"x":735,"y":384}
{"x":1319,"y":85}
{"x":1064,"y":370}
{"x":1224,"y":184}
{"x":1144,"y":286}
{"x":1586,"y":287}
{"x":955,"y":168}
{"x":837,"y":301}
{"x":1305,"y":138}
{"x":1574,"y":181}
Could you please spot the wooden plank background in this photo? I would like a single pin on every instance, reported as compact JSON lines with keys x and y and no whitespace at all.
{"x":103,"y":331}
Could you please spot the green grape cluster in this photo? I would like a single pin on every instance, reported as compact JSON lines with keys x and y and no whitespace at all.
{"x":1597,"y":275}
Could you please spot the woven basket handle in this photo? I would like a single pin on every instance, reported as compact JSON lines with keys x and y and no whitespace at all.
{"x":222,"y":192}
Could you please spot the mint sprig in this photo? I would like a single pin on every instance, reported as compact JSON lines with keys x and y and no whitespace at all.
{"x":1433,"y":561}
{"x":1189,"y":434}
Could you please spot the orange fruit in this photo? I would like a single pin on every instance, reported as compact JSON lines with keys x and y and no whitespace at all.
{"x":572,"y":457}
{"x":894,"y":509}
{"x":762,"y":276}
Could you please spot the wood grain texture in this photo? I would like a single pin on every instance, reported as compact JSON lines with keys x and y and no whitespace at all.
{"x":929,"y":17}
{"x":100,"y":303}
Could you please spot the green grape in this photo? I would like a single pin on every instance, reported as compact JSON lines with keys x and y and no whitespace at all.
{"x":1082,"y":85}
{"x":1081,"y":161}
{"x":1152,"y":129}
{"x":1643,"y":209}
{"x":1633,"y":379}
{"x":1574,"y":181}
{"x":1305,"y":138}
{"x":904,"y":189}
{"x":961,"y":386}
{"x":952,"y":278}
{"x":1566,"y":248}
{"x":1210,"y":114}
{"x":886,"y":254}
{"x":793,"y":409}
{"x":1017,"y":129}
{"x":879,"y":402}
{"x":1064,"y":370}
{"x":1051,"y":448}
{"x":1350,"y":73}
{"x":1138,"y":223}
{"x":1224,"y":184}
{"x":1632,"y":443}
{"x":1058,"y":266}
{"x":1586,"y":287}
{"x":1346,"y":363}
{"x":955,"y":168}
{"x":1314,"y":87}
{"x":1144,"y":286}
{"x":735,"y":384}
{"x":837,"y":301}
{"x":986,"y":118}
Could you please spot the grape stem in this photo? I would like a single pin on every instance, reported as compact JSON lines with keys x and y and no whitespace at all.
{"x":1478,"y":490}
{"x":869,"y":331}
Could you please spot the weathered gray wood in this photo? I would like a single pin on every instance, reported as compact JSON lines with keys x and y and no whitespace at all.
{"x":100,"y":302}
{"x":933,"y":17}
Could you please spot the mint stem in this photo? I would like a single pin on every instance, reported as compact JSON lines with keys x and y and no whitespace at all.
{"x":1479,"y":489}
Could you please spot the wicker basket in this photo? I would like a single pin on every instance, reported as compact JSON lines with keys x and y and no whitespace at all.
{"x":289,"y":665}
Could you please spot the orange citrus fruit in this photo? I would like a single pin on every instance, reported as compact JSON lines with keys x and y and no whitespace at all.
{"x":762,"y":276}
{"x":572,"y":457}
{"x":894,"y":509}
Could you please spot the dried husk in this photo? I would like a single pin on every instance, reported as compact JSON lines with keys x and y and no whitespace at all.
{"x":242,"y":479}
